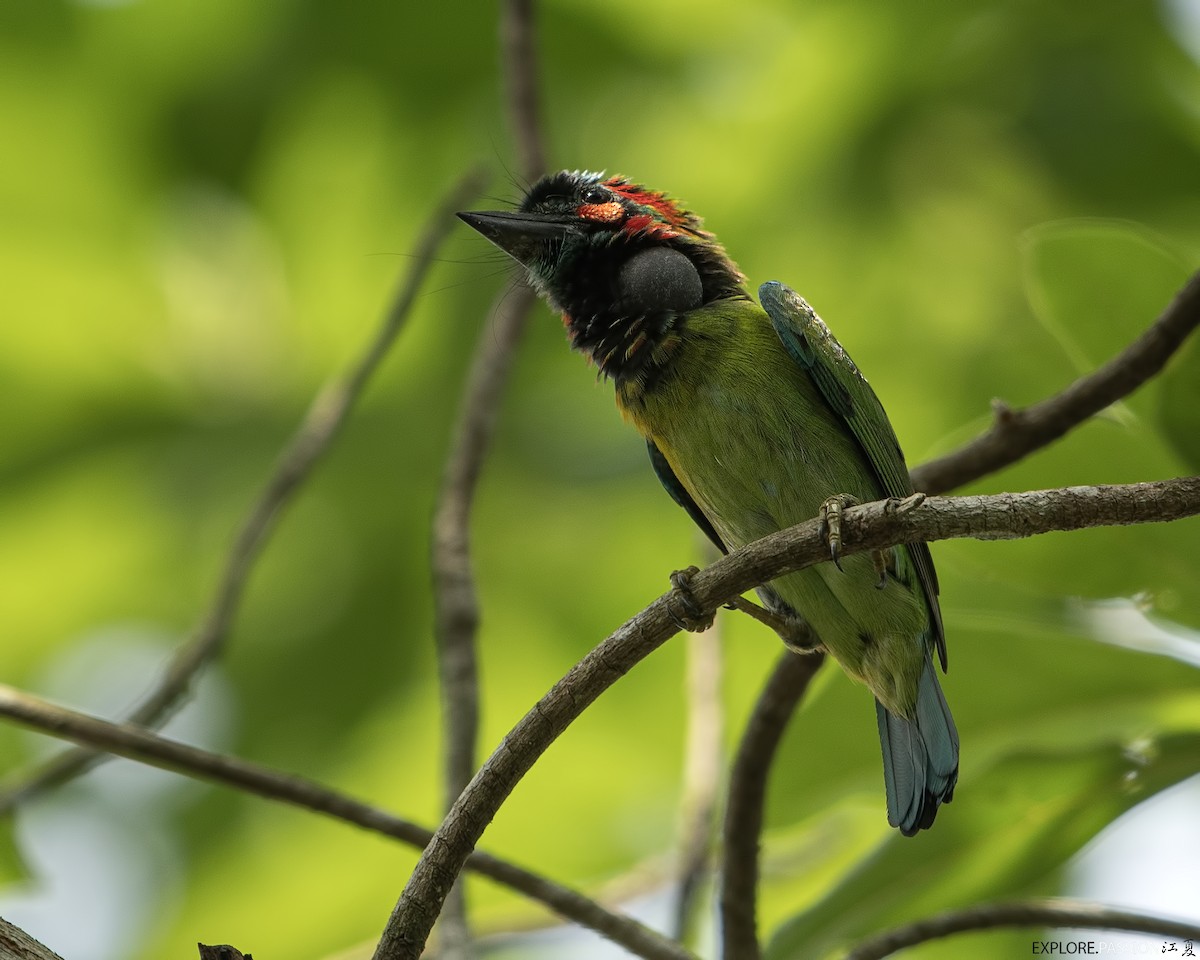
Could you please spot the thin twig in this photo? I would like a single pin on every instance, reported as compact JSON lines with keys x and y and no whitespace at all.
{"x":746,"y":806}
{"x":137,"y":743}
{"x":701,"y":774}
{"x":1029,"y":913}
{"x":1017,"y":433}
{"x":320,"y":426}
{"x":456,"y":606}
{"x":520,"y":80}
{"x":869,"y":527}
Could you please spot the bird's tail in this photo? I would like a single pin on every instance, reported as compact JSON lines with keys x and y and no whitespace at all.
{"x":920,"y":757}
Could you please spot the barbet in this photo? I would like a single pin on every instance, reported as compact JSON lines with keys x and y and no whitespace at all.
{"x":755,"y":419}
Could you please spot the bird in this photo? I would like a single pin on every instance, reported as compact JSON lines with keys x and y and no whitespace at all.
{"x":755,"y":419}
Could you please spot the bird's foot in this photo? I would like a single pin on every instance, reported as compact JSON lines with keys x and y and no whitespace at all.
{"x":831,"y":520}
{"x":682,"y":605}
{"x":795,"y":633}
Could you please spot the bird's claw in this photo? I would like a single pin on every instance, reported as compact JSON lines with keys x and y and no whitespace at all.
{"x":693,"y":618}
{"x":906,"y":505}
{"x":831,"y":521}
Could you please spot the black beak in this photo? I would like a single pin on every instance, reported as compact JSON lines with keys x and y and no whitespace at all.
{"x":520,"y":235}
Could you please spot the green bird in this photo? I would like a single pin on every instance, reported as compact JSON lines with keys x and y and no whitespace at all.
{"x":755,"y":419}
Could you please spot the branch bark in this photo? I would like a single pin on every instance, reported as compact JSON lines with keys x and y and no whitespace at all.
{"x":317,"y":431}
{"x":1029,"y":913}
{"x":16,"y":944}
{"x":872,"y":526}
{"x":745,"y":809}
{"x":137,"y":743}
{"x":1017,"y":433}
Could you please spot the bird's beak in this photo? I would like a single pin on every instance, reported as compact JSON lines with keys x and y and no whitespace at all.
{"x":520,"y":235}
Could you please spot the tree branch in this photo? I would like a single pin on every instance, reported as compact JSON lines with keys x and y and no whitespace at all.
{"x":520,"y":80}
{"x":745,"y":808}
{"x":1030,"y":913}
{"x":456,"y":607}
{"x":1017,"y":433}
{"x":317,"y":431}
{"x":16,"y":944}
{"x":137,"y":743}
{"x":872,"y":526}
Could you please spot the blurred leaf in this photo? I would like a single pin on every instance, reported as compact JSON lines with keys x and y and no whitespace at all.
{"x":1096,"y":285}
{"x":1018,"y":822}
{"x":1023,"y":675}
{"x":1029,"y":694}
{"x":12,"y":865}
{"x":1179,"y":403}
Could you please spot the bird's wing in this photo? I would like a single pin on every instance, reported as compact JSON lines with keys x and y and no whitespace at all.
{"x":666,"y":476}
{"x":850,"y":397}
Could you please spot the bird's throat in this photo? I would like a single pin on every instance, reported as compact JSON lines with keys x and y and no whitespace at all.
{"x":633,"y":351}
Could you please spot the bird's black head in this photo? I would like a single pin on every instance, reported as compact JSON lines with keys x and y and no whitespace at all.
{"x":623,"y":264}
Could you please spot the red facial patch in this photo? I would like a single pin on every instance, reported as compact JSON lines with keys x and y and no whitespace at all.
{"x":659,"y":202}
{"x":611,"y":212}
{"x":644,"y":223}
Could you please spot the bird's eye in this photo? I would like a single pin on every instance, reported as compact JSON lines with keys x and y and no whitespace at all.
{"x":596,"y":195}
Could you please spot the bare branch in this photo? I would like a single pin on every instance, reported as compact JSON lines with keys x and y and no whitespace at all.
{"x":745,"y":809}
{"x":520,"y":80}
{"x":1017,"y":433}
{"x":137,"y":743}
{"x":872,"y":526}
{"x":456,"y":609}
{"x":701,"y":773}
{"x":16,"y":944}
{"x":1029,"y":913}
{"x":317,"y":431}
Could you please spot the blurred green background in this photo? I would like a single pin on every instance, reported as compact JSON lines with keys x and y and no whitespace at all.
{"x":204,"y":208}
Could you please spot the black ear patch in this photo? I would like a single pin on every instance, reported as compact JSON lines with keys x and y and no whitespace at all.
{"x":659,"y":280}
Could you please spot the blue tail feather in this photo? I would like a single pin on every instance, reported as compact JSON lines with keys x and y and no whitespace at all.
{"x":920,"y":757}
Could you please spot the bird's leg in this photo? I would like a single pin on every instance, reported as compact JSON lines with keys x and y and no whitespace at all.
{"x":692,"y":618}
{"x":831,"y":519}
{"x":796,"y":635}
{"x":883,"y":559}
